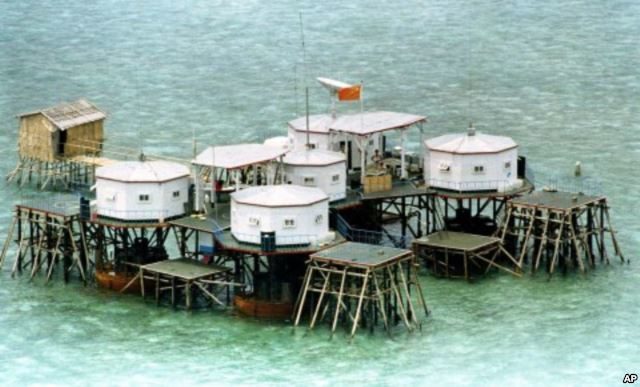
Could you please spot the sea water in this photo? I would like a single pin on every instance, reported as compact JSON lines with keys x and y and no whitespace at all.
{"x":561,"y":78}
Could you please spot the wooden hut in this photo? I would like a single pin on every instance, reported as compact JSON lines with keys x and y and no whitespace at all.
{"x":62,"y":131}
{"x":59,"y":143}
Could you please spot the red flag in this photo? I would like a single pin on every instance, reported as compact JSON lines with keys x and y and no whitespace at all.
{"x":349,"y":93}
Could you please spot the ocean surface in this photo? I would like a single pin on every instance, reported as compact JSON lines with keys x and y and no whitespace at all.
{"x":560,"y":77}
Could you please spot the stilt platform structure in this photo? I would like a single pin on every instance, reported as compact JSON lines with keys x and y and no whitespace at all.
{"x":414,"y":208}
{"x":453,"y":254}
{"x":60,"y":146}
{"x":474,"y":175}
{"x":184,"y":279}
{"x":358,"y":284}
{"x":558,"y":229}
{"x":48,"y":236}
{"x":265,"y":277}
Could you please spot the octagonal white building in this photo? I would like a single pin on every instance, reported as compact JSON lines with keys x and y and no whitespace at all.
{"x":142,"y":190}
{"x":297,"y":215}
{"x":471,"y":162}
{"x":318,"y":168}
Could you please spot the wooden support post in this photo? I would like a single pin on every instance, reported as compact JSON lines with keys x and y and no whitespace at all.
{"x":187,"y":289}
{"x":399,"y":300}
{"x":303,"y":294}
{"x":556,"y":246}
{"x":360,"y":301}
{"x":339,"y":302}
{"x":7,"y":242}
{"x":543,"y":243}
{"x":379,"y":296}
{"x":322,"y":293}
{"x":405,"y":287}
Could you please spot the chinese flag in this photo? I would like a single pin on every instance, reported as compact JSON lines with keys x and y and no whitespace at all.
{"x":349,"y":93}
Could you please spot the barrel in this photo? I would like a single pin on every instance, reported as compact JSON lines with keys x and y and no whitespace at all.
{"x":268,"y":241}
{"x":85,"y":209}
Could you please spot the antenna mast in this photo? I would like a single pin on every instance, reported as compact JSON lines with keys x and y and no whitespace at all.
{"x":306,"y":87}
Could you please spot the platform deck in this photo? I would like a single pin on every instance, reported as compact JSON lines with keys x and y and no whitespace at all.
{"x":555,"y":200}
{"x":229,"y":242}
{"x":361,"y":255}
{"x":405,"y":189}
{"x":184,"y":269}
{"x":461,"y":241}
{"x":62,"y":209}
{"x":217,"y":220}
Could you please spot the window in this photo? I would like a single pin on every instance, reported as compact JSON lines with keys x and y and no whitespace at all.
{"x":254,"y":221}
{"x":143,"y":198}
{"x":444,"y":167}
{"x":289,"y":223}
{"x":319,"y":219}
{"x":507,"y":165}
{"x":309,"y":180}
{"x":175,"y":194}
{"x":335,"y":179}
{"x":312,"y":145}
{"x":478,"y":169}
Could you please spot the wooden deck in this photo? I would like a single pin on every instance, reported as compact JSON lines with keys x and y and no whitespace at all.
{"x":402,"y":189}
{"x":457,"y":241}
{"x":555,"y":200}
{"x":451,"y":254}
{"x":185,"y":279}
{"x":184,"y":269}
{"x":360,"y":255}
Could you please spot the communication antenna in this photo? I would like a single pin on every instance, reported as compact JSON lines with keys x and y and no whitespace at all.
{"x":306,"y":87}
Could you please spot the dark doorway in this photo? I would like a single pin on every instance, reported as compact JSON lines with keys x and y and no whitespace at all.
{"x":62,"y":140}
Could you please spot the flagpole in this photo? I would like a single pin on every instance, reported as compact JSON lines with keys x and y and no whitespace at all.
{"x":363,"y":150}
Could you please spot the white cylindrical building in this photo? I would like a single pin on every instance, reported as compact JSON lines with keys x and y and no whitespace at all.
{"x":295,"y":215}
{"x":318,"y":168}
{"x":142,"y":190}
{"x":471,"y":162}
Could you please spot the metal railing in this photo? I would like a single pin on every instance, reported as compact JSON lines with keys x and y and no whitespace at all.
{"x":133,"y":214}
{"x":380,"y":238}
{"x":301,"y":240}
{"x":586,"y":185}
{"x":337,"y":196}
{"x":483,"y":185}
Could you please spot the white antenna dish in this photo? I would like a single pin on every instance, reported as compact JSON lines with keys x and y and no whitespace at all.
{"x":332,"y":85}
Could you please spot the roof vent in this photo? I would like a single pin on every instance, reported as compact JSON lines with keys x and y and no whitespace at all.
{"x":471,"y":131}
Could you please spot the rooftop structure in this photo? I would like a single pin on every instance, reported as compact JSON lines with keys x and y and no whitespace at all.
{"x":224,"y":169}
{"x":280,"y":215}
{"x":471,"y":162}
{"x":142,"y":190}
{"x":318,"y":168}
{"x":360,"y":130}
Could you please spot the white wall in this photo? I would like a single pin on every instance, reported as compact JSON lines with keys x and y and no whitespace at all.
{"x":127,"y":205}
{"x":323,"y":176}
{"x":306,"y":229}
{"x":462,"y":175}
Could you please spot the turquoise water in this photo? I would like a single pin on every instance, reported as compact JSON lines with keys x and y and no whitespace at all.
{"x":560,"y":77}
